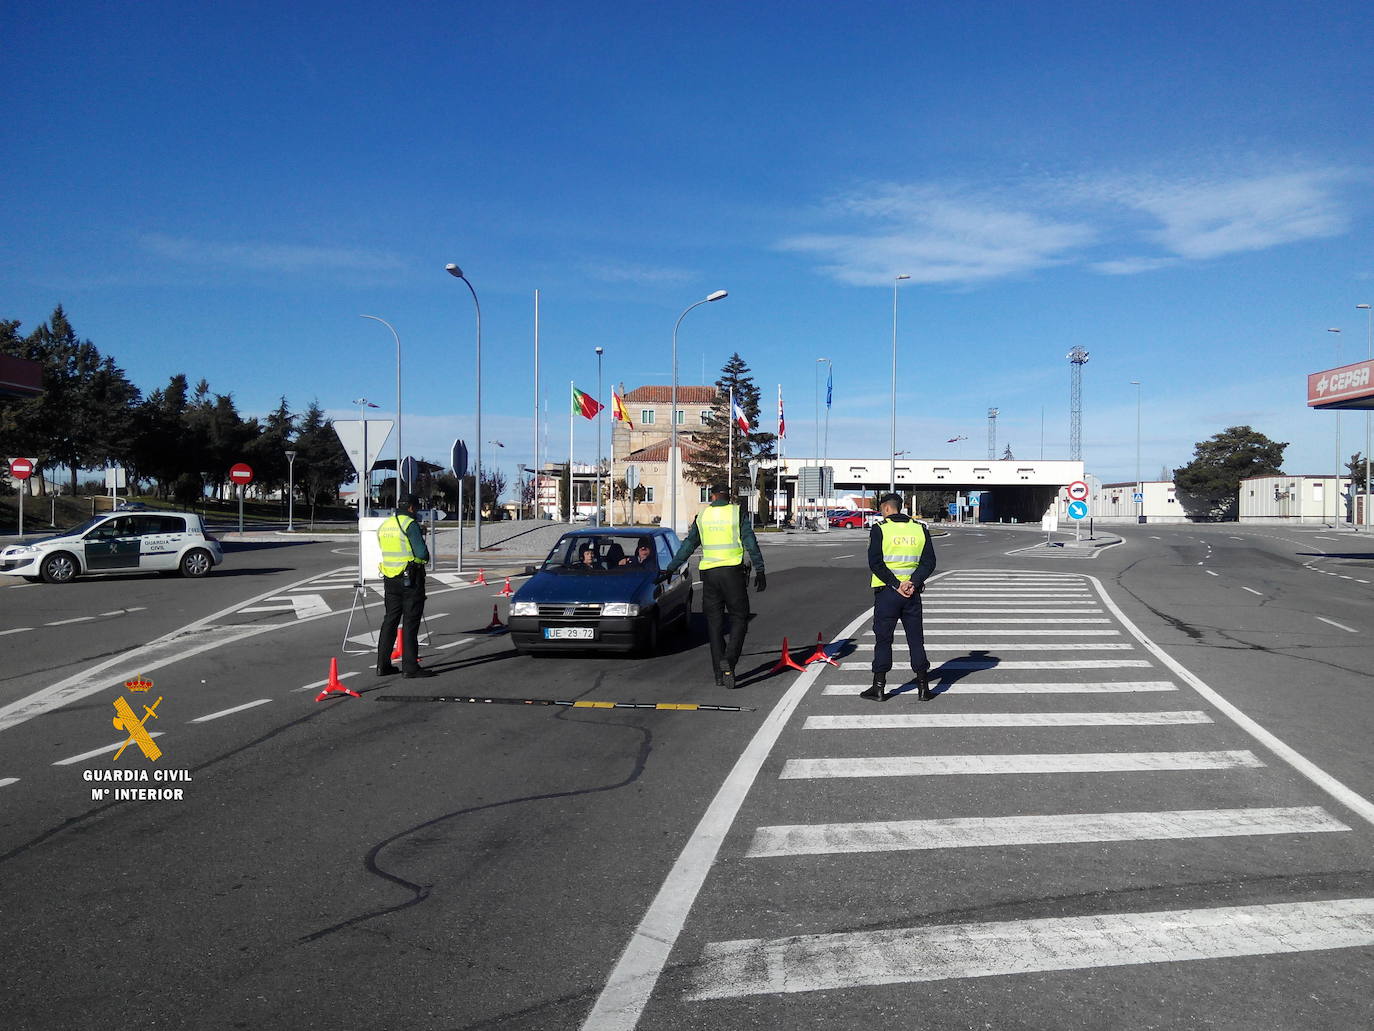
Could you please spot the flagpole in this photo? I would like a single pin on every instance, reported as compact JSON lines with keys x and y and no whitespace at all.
{"x":571,"y":388}
{"x":536,"y":404}
{"x":829,"y":387}
{"x":777,"y":480}
{"x":730,"y":450}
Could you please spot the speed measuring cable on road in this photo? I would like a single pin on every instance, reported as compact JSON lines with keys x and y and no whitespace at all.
{"x":584,"y":704}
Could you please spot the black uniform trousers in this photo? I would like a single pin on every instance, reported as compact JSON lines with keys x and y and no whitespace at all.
{"x":889,"y":607}
{"x":404,"y":598}
{"x":725,"y":589}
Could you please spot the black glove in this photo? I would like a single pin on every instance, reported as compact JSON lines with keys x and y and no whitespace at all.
{"x":663,"y":577}
{"x":760,"y":582}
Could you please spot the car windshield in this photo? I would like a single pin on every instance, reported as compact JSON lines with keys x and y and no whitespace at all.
{"x":607,"y":553}
{"x":77,"y":531}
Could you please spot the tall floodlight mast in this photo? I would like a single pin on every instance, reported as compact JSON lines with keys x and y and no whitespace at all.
{"x":1077,"y":359}
{"x":992,"y":434}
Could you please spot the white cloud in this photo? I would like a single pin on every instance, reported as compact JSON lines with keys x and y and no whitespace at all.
{"x":266,"y":257}
{"x":938,"y":236}
{"x":1208,"y":219}
{"x":964,"y":234}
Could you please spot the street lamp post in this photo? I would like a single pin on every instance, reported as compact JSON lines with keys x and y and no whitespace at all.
{"x":291,"y":491}
{"x":892,"y":466}
{"x":399,"y":452}
{"x":1369,"y":354}
{"x":672,"y":415}
{"x":816,"y":401}
{"x":1336,"y":494}
{"x":599,"y":352}
{"x":457,"y":273}
{"x":1139,"y":486}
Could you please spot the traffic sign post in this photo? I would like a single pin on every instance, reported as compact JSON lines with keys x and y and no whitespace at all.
{"x":21,"y":469}
{"x":1078,"y":511}
{"x":458,"y":463}
{"x":242,"y":474}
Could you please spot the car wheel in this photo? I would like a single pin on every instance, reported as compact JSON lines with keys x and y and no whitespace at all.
{"x":59,"y":568}
{"x":196,"y":562}
{"x":648,"y":642}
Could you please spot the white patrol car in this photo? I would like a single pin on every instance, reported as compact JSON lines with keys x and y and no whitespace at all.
{"x":119,"y":542}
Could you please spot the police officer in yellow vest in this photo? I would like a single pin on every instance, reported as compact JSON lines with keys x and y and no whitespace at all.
{"x":403,"y":572}
{"x":900,"y":557}
{"x":724,"y":533}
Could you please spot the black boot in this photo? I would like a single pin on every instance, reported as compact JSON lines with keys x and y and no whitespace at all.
{"x":720,"y":678}
{"x":924,"y":692}
{"x":878,"y":692}
{"x":727,"y":675}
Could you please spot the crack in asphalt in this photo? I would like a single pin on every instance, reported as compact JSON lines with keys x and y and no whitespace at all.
{"x":420,"y":892}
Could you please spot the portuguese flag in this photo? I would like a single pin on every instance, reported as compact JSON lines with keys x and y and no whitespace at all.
{"x":585,"y":405}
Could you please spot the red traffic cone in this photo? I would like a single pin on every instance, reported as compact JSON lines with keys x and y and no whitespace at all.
{"x":481,"y":578}
{"x":786,"y":662}
{"x":335,"y":685}
{"x":495,"y":623}
{"x":820,"y":654}
{"x":506,"y":592}
{"x":398,"y":651}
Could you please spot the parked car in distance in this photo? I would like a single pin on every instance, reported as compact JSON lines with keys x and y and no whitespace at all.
{"x":597,"y":590}
{"x":117,"y":542}
{"x":846,"y":518}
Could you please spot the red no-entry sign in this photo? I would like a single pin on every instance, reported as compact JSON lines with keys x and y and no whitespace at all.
{"x":21,"y":468}
{"x":241,"y":473}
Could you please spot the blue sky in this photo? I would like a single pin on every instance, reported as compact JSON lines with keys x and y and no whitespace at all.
{"x":1180,"y":188}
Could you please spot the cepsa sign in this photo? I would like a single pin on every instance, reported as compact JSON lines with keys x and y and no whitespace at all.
{"x":1346,"y":387}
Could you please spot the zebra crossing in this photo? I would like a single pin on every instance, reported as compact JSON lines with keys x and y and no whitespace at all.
{"x":1009,"y":769}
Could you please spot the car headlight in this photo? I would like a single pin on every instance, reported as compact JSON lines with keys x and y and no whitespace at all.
{"x":524,"y":608}
{"x":15,"y":551}
{"x":619,"y":608}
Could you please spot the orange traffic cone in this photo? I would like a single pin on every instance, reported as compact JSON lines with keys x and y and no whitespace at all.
{"x":506,"y":592}
{"x":398,"y":651}
{"x":335,"y":685}
{"x":786,"y":662}
{"x":495,"y":623}
{"x":820,"y":654}
{"x":481,"y":578}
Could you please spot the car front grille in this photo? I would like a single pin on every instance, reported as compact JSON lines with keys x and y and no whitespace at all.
{"x":569,"y":611}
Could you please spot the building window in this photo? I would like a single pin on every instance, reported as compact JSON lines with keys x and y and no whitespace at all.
{"x":649,"y":495}
{"x":646,"y":416}
{"x":681,"y":417}
{"x":706,"y":416}
{"x":704,"y":497}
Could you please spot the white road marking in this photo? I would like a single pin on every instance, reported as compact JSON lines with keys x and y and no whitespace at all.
{"x":962,"y":765}
{"x":1252,"y":591}
{"x":16,"y":630}
{"x":122,"y":612}
{"x":974,"y":610}
{"x":1154,"y":538}
{"x":64,"y":622}
{"x":844,"y":556}
{"x":1008,"y":622}
{"x":912,"y":954}
{"x":1338,"y":626}
{"x":631,"y":983}
{"x":229,"y":712}
{"x":7,"y":781}
{"x":973,"y":644}
{"x":1323,"y":538}
{"x":304,"y":605}
{"x":948,"y":720}
{"x":994,"y":632}
{"x":999,"y":664}
{"x":1210,"y":573}
{"x":322,"y":683}
{"x":324,"y":587}
{"x":1237,"y":538}
{"x":101,"y":751}
{"x":985,"y":832}
{"x":453,"y":644}
{"x":1062,"y":687}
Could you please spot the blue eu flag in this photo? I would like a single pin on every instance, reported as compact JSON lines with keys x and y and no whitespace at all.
{"x":829,"y":386}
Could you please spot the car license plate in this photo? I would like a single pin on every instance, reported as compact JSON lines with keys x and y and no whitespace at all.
{"x":569,"y":633}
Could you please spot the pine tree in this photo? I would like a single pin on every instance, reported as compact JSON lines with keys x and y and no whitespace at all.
{"x":710,"y":462}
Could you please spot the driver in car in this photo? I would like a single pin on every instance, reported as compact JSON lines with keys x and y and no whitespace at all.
{"x":643,"y":556}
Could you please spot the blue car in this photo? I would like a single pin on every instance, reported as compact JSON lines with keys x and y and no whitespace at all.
{"x":597,"y":591}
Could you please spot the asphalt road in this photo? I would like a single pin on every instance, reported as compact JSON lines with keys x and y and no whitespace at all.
{"x":1166,"y":826}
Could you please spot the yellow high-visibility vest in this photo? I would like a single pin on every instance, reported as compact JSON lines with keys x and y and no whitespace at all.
{"x":720,"y":540}
{"x":903,"y":544}
{"x":395,"y":544}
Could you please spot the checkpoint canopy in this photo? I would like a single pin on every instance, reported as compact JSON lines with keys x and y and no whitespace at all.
{"x":1342,"y":389}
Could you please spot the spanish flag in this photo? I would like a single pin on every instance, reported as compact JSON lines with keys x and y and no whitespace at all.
{"x":618,"y":412}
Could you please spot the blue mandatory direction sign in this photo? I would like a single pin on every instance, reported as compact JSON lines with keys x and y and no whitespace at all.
{"x":1078,"y":510}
